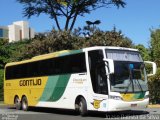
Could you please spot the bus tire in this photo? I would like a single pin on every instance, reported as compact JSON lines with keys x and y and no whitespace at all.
{"x":24,"y":103}
{"x":17,"y":103}
{"x":82,"y":107}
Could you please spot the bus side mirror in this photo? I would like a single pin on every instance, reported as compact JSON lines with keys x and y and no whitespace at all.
{"x":109,"y":65}
{"x":154,"y":68}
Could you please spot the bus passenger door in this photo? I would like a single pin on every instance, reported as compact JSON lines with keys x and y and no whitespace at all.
{"x":98,"y":79}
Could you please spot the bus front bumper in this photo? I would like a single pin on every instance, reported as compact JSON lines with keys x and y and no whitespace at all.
{"x":120,"y":105}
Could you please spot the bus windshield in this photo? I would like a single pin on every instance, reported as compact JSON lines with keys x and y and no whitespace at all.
{"x":128,"y":77}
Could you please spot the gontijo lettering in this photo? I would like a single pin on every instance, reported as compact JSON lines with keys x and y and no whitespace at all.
{"x":31,"y":82}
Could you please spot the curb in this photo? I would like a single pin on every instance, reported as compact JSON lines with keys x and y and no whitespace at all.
{"x":1,"y":103}
{"x":154,"y":106}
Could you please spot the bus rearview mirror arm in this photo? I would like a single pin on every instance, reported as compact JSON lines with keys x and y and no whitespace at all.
{"x":110,"y":65}
{"x":154,"y":67}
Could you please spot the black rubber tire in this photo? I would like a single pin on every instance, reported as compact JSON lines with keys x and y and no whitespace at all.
{"x":83,"y":107}
{"x":25,"y":103}
{"x":17,"y":103}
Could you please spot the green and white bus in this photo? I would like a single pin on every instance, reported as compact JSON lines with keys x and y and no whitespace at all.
{"x":97,"y":78}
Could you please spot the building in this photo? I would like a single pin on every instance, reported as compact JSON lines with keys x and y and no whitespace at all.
{"x":17,"y":31}
{"x":20,"y":30}
{"x":3,"y":32}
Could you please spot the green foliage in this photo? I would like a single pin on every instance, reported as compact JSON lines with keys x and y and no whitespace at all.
{"x":154,"y":82}
{"x":155,"y":46}
{"x":3,"y":41}
{"x":62,"y":40}
{"x":70,"y":9}
{"x":108,"y":38}
{"x":16,"y":50}
{"x":11,"y":51}
{"x":1,"y":84}
{"x":4,"y":53}
{"x":154,"y":89}
{"x":144,"y":51}
{"x":53,"y":41}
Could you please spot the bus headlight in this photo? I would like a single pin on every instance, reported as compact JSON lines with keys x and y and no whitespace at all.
{"x":115,"y":97}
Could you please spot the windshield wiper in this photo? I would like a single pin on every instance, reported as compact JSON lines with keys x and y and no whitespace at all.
{"x":127,"y":87}
{"x":131,"y":82}
{"x":139,"y":85}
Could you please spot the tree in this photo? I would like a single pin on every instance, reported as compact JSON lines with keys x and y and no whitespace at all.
{"x":108,"y":38}
{"x":155,"y":45}
{"x":154,"y":89}
{"x":65,"y":40}
{"x":70,"y":9}
{"x":144,"y":51}
{"x":53,"y":41}
{"x":4,"y":53}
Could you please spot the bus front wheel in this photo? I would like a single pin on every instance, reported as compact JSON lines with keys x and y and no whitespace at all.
{"x":82,"y":107}
{"x":24,"y":103}
{"x":17,"y":103}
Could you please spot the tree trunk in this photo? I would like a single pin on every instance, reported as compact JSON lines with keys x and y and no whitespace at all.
{"x":73,"y":22}
{"x":67,"y":23}
{"x":54,"y":14}
{"x":55,"y":17}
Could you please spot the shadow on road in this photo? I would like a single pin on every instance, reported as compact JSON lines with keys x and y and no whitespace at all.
{"x":90,"y":114}
{"x":118,"y":114}
{"x":126,"y":113}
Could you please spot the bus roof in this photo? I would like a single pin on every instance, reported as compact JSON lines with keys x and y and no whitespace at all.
{"x":67,"y":52}
{"x":110,"y":47}
{"x":46,"y":56}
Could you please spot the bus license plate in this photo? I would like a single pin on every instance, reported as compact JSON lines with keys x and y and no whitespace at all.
{"x":133,"y":105}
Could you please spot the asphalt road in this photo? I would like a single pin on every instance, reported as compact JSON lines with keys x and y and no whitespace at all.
{"x":10,"y":113}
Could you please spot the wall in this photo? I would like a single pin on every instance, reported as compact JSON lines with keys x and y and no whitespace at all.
{"x":20,"y":30}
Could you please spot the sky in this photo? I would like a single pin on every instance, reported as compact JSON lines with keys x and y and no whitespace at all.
{"x":135,"y":20}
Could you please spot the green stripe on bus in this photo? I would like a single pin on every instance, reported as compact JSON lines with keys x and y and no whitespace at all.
{"x":49,"y":88}
{"x":71,"y":52}
{"x":139,"y":95}
{"x":55,"y":87}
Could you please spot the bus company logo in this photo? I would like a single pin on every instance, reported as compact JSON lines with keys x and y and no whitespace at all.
{"x":31,"y":82}
{"x":96,"y":103}
{"x":79,"y":81}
